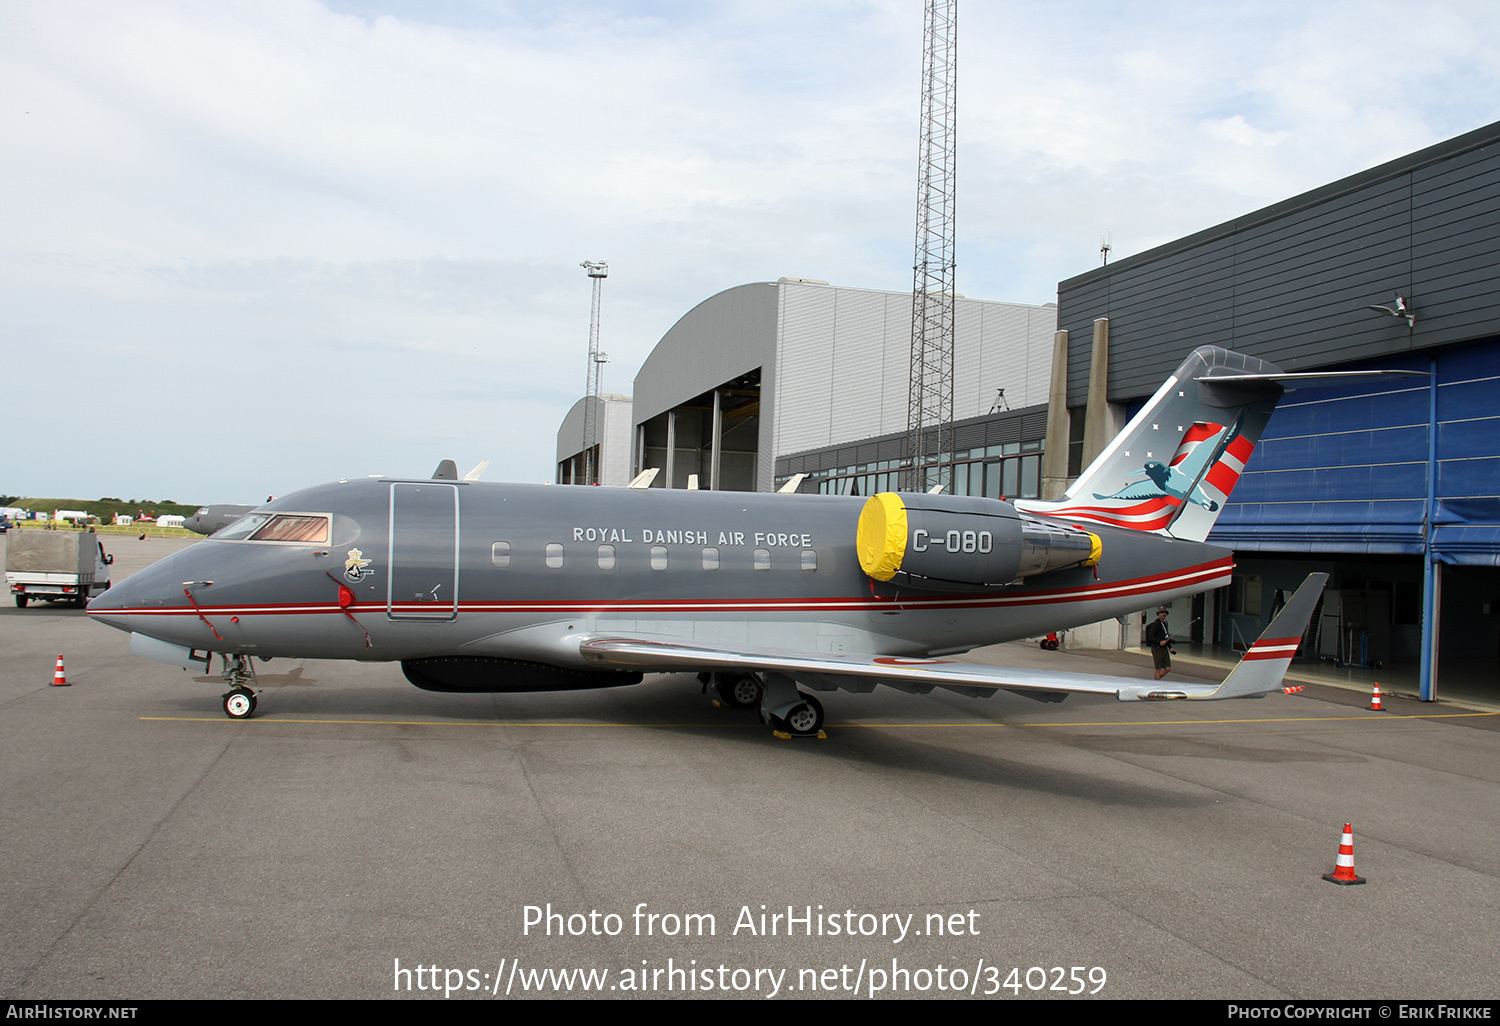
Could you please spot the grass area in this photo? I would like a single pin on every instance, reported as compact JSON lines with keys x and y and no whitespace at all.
{"x":135,"y":530}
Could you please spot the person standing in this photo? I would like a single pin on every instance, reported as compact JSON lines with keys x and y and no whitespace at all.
{"x":1159,"y":638}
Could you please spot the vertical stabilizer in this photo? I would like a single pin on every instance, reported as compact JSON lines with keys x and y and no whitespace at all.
{"x":1173,"y":467}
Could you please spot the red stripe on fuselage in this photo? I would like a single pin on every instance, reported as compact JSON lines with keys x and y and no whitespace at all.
{"x":1194,"y":576}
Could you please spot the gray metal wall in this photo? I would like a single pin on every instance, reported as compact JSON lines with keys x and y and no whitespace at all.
{"x":615,"y":436}
{"x":1291,"y":283}
{"x":844,"y":362}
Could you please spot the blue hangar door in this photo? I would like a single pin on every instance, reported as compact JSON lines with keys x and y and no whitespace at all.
{"x":423,"y":553}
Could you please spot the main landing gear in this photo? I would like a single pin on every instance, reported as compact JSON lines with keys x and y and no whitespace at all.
{"x":788,"y":710}
{"x":737,"y":690}
{"x":239,"y":700}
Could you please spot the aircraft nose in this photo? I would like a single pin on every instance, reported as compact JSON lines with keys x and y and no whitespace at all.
{"x":148,"y":587}
{"x":115,"y":598}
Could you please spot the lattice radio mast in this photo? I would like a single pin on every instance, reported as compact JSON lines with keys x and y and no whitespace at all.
{"x":929,"y":419}
{"x":598,"y":270}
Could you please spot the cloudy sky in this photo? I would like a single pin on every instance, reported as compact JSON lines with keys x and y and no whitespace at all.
{"x":252,"y":245}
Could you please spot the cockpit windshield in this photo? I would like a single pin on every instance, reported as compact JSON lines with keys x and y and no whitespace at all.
{"x":278,"y":527}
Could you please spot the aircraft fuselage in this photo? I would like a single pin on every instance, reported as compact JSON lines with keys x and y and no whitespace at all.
{"x":417,"y":569}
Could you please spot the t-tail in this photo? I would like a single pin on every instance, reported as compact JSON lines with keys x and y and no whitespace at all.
{"x":1174,"y":466}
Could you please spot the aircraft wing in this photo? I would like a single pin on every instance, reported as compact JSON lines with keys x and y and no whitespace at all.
{"x":1259,"y":672}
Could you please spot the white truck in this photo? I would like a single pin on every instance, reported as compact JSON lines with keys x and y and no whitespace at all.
{"x":59,"y":566}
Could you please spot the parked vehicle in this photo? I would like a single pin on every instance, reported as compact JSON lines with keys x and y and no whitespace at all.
{"x":58,"y":566}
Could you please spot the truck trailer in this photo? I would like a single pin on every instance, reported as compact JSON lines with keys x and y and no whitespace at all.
{"x":58,"y":566}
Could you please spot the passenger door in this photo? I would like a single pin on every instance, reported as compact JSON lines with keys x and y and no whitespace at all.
{"x":423,"y":554}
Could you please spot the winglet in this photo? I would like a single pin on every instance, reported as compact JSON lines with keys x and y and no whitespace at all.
{"x":1262,"y":667}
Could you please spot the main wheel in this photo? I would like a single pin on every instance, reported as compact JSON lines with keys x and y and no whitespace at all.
{"x":805,"y":718}
{"x":239,"y":703}
{"x":21,"y":601}
{"x":737,"y":690}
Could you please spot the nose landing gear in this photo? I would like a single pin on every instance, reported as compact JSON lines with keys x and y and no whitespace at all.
{"x":239,"y":700}
{"x":239,"y":703}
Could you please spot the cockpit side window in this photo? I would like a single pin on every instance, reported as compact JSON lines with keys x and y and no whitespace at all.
{"x":242,"y":527}
{"x":278,"y":527}
{"x":294,"y":528}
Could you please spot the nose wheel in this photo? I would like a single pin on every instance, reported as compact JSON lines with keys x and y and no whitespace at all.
{"x":239,"y":700}
{"x":239,"y":703}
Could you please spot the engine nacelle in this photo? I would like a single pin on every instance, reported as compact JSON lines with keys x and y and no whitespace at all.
{"x":947,"y":542}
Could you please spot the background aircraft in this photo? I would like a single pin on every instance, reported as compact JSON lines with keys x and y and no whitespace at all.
{"x":215,"y":517}
{"x":492,"y":587}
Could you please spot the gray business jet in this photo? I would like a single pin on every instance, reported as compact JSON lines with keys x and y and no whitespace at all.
{"x":215,"y":517}
{"x":499,"y":587}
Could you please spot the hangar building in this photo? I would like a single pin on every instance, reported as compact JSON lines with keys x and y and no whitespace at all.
{"x":771,"y":379}
{"x":613,"y":430}
{"x":1393,"y":486}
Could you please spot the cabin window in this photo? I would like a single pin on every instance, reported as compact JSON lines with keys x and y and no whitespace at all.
{"x":809,"y":560}
{"x":762,"y":559}
{"x":554,"y":554}
{"x":500,"y":554}
{"x":658,"y":557}
{"x":606,"y":557}
{"x":710,"y":559}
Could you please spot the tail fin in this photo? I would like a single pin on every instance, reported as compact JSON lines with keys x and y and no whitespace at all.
{"x":1261,"y":670}
{"x":1172,"y":468}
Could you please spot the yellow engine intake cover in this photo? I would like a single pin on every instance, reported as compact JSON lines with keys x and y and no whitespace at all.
{"x":882,"y":535}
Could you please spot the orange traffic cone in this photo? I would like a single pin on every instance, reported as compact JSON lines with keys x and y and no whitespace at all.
{"x":59,"y":679}
{"x":1375,"y":700}
{"x":1343,"y":870}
